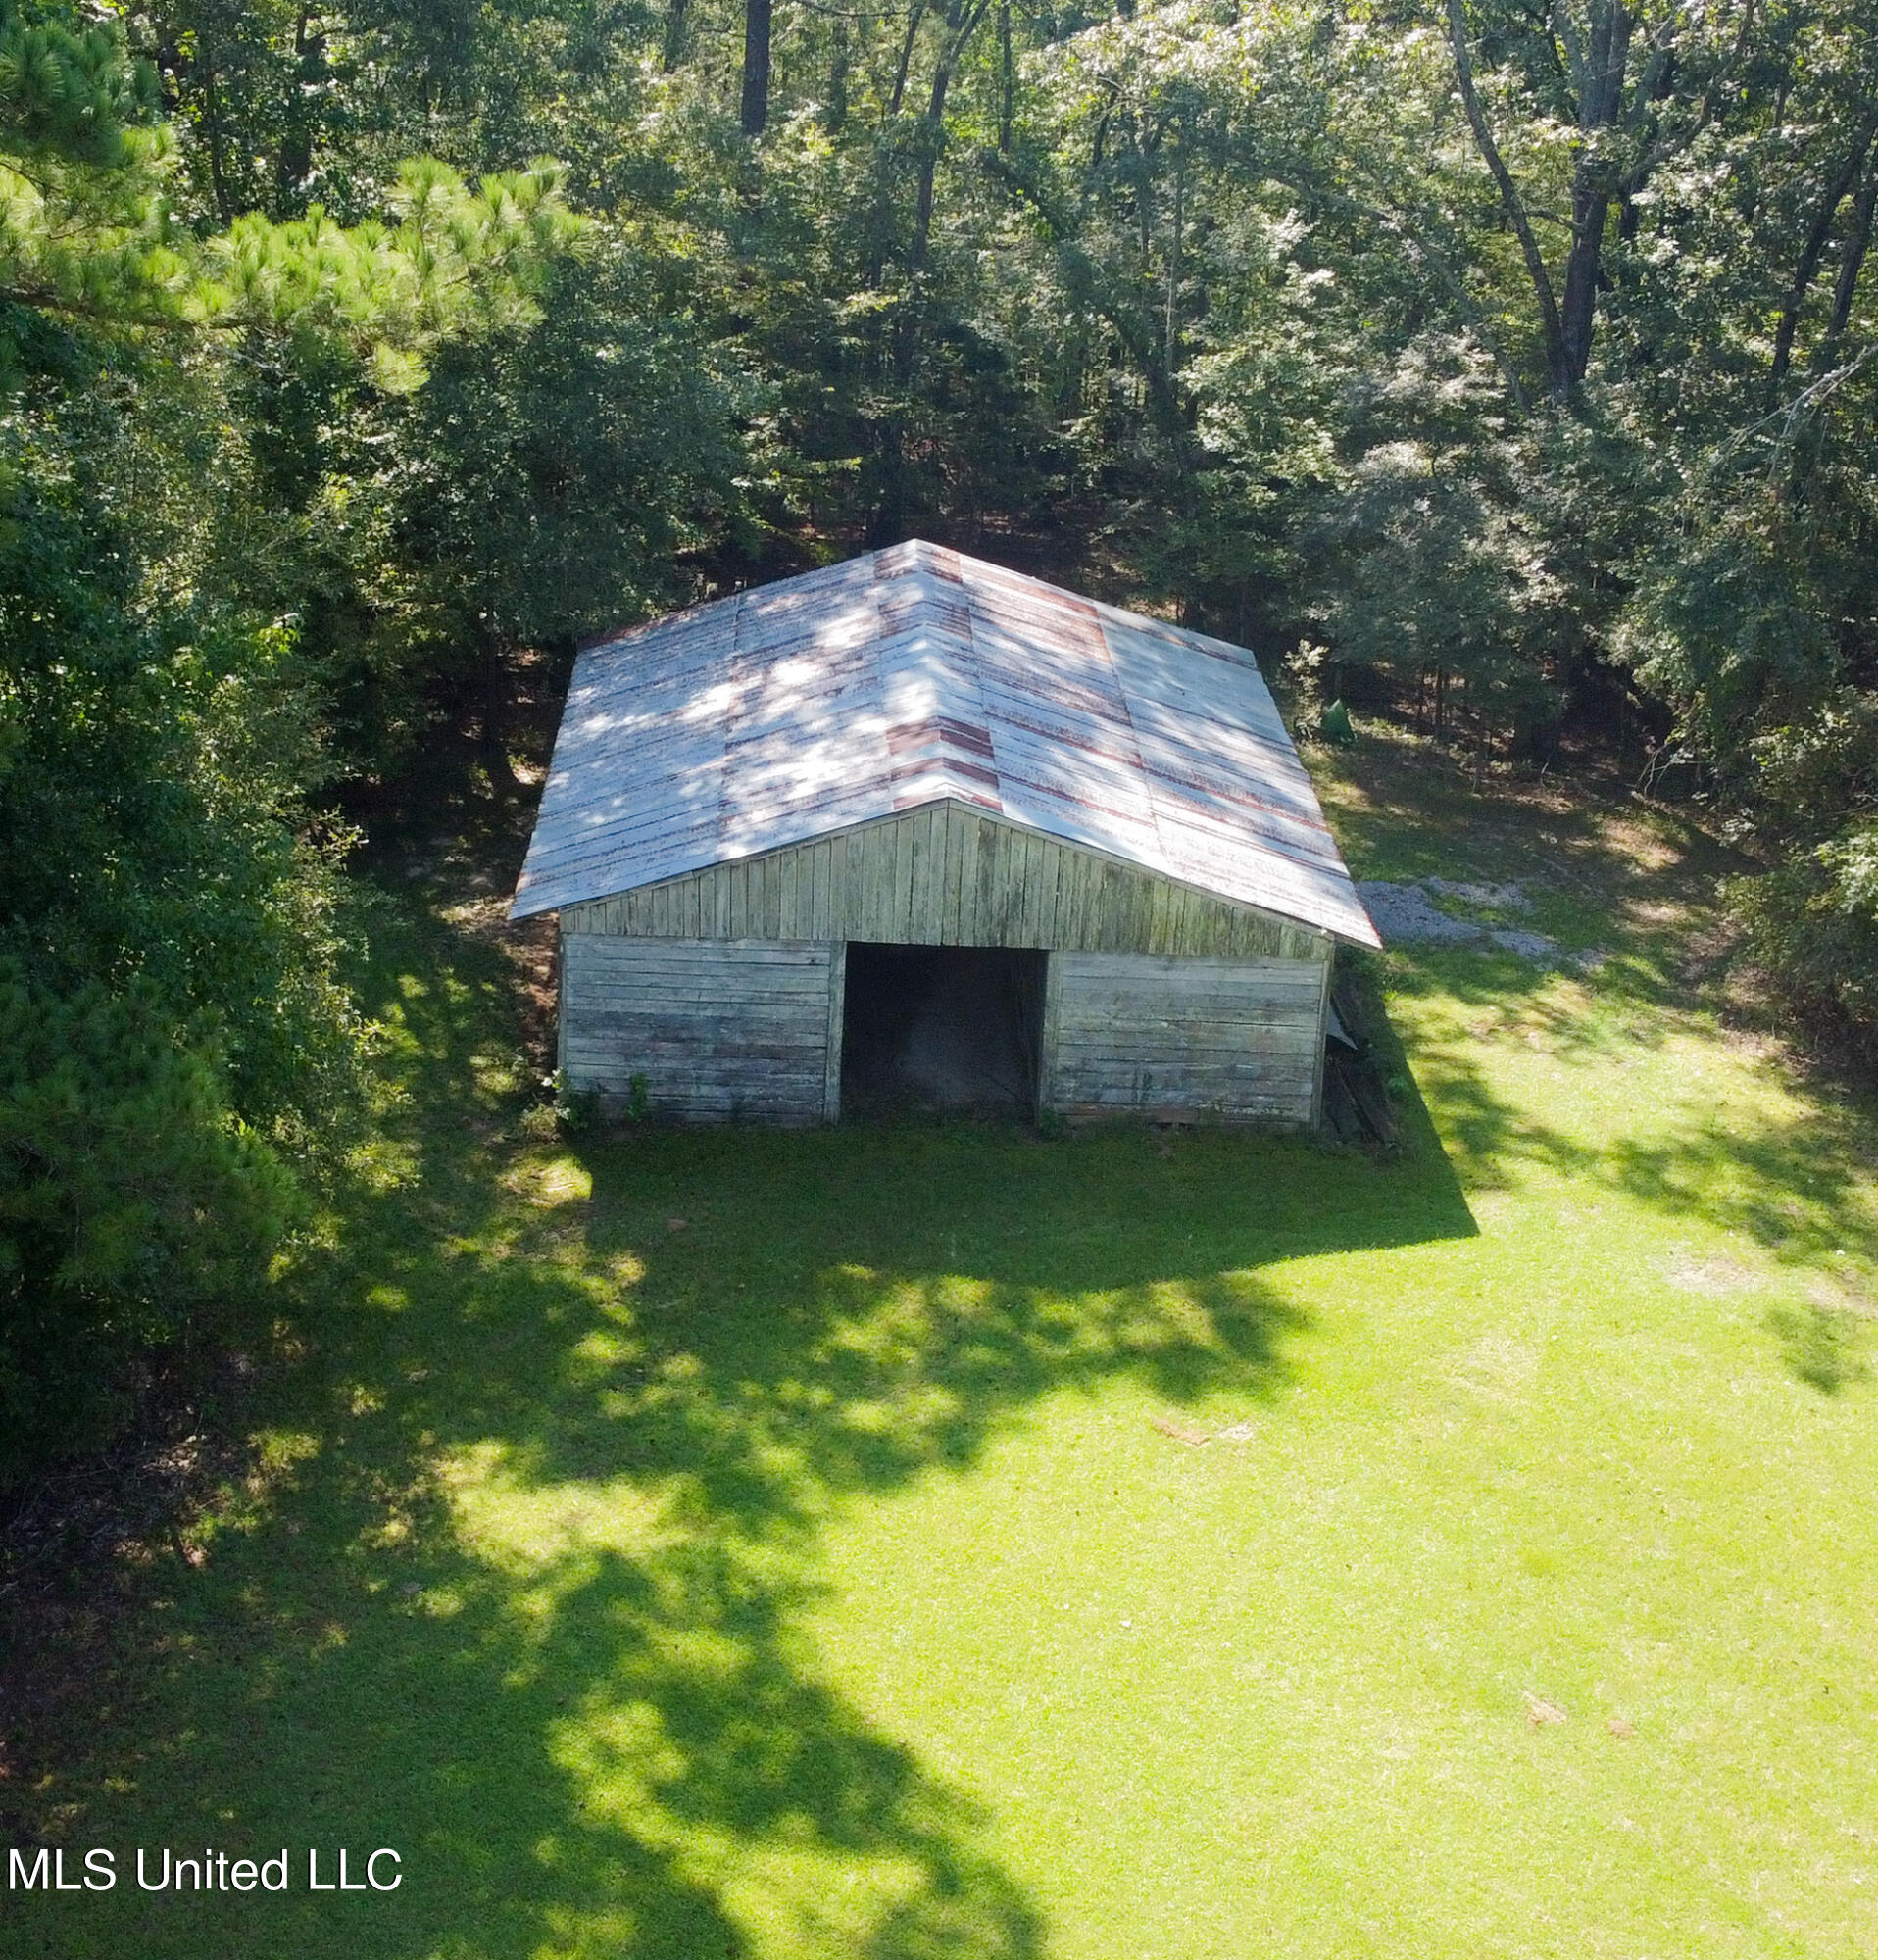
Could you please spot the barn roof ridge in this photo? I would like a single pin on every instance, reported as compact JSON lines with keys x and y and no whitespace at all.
{"x":914,"y":674}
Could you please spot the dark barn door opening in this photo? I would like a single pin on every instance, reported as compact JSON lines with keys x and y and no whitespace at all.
{"x":941,"y":1027}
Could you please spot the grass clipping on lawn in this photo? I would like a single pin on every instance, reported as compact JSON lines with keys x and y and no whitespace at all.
{"x":945,"y":1542}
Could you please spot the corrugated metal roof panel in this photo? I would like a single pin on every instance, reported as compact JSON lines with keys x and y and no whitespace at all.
{"x":914,"y":674}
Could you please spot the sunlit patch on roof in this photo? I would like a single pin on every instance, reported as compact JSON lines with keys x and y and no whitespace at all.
{"x":916,"y":675}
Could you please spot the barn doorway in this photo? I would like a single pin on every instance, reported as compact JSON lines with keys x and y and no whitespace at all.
{"x":956,"y":1028}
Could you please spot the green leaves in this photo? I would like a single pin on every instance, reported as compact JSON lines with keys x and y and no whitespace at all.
{"x":133,"y":1207}
{"x":173,"y":1026}
{"x":69,"y":91}
{"x":88,"y":232}
{"x":457,"y":261}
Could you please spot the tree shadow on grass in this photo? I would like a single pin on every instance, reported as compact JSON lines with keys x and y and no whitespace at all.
{"x":1798,"y":1187}
{"x":1404,"y":807}
{"x":1821,"y":1346}
{"x":518,"y":1586}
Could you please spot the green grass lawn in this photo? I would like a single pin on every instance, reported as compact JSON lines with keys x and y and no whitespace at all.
{"x":836,"y":1572}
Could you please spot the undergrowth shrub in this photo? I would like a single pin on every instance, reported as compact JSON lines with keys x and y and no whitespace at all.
{"x":136,"y":1214}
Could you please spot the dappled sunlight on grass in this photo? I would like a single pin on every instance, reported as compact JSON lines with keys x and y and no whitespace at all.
{"x":525,"y":1597}
{"x":1667,"y":1115}
{"x":944,"y":1543}
{"x":1403,"y":807}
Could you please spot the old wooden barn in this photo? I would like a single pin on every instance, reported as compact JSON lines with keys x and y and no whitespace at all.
{"x":917,"y":829}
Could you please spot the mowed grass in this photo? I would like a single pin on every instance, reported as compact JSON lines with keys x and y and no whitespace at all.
{"x":739,"y":1545}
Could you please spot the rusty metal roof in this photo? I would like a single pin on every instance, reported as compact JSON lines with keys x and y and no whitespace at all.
{"x":908,"y":677}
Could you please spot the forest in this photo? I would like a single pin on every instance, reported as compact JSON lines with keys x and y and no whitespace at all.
{"x":1507,"y":368}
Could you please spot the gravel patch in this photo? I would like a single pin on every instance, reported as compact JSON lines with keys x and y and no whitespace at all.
{"x":1404,"y":915}
{"x":1528,"y":945}
{"x":1407,"y":915}
{"x":1497,"y":898}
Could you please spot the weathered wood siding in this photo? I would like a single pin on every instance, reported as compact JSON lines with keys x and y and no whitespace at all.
{"x":719,"y":1028}
{"x":946,"y":874}
{"x":1225,"y":1039}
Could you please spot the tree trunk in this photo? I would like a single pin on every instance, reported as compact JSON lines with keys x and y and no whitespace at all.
{"x":904,"y":63}
{"x":1814,"y":250}
{"x":1846,"y":287}
{"x":1605,"y":171}
{"x":1552,"y":332}
{"x":962,"y":20}
{"x":834,"y":115}
{"x":218,"y":175}
{"x":961,"y":23}
{"x":931,"y":141}
{"x":756,"y":66}
{"x":494,"y":719}
{"x":673,"y":51}
{"x":1172,"y":336}
{"x":294,"y":162}
{"x":1593,"y":184}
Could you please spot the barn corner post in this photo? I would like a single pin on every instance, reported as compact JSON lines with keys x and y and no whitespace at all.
{"x":1319,"y":1054}
{"x":560,"y":1005}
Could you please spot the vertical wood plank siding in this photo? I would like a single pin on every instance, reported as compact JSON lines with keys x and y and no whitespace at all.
{"x":947,"y":875}
{"x":719,"y":1028}
{"x":1230,"y":1040}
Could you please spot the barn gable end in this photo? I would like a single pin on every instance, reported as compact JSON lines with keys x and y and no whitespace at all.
{"x":946,"y":875}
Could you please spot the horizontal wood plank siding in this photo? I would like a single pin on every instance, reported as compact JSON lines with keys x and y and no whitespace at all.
{"x":1226,"y":1039}
{"x":944,"y":876}
{"x":721,"y":1028}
